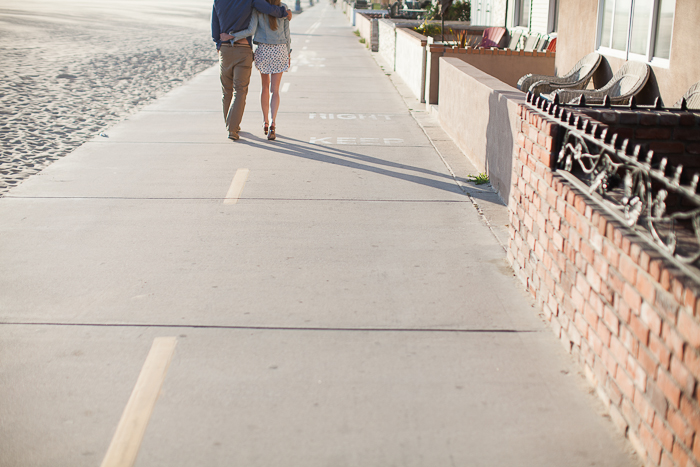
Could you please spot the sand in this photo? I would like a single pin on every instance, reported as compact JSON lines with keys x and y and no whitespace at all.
{"x":71,"y":69}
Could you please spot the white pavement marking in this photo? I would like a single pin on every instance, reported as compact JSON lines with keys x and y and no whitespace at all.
{"x":127,"y":440}
{"x":324,"y":116}
{"x":285,"y":87}
{"x":353,"y":140}
{"x":237,"y":184}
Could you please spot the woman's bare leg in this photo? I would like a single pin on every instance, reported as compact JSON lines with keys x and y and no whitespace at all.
{"x":275,"y":89}
{"x":265,"y":96}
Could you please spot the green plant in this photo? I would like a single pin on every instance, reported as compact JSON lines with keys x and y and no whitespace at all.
{"x":429,"y":29}
{"x":479,"y":179}
{"x":356,"y":32}
{"x":362,"y":40}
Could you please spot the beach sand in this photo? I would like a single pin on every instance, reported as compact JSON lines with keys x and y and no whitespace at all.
{"x":70,"y":69}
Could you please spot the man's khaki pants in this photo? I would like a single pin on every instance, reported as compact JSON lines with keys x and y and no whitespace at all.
{"x":235,"y":64}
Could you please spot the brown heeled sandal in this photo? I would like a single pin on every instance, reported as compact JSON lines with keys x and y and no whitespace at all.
{"x":271,"y":135}
{"x":265,"y":127}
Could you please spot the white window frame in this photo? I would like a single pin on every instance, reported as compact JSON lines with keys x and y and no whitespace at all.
{"x":517,"y":10}
{"x":626,"y":54}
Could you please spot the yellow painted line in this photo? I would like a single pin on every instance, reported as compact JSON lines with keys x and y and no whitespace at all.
{"x":237,"y":185}
{"x":127,"y":440}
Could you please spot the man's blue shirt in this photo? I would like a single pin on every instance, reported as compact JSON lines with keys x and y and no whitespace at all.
{"x":234,"y":15}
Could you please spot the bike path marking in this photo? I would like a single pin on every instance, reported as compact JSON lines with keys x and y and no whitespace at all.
{"x":127,"y":439}
{"x":237,"y":185}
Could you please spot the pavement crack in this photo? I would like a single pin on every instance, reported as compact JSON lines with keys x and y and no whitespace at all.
{"x":280,"y":328}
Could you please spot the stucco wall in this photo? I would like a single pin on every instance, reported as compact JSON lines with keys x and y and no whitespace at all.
{"x":410,"y":60}
{"x":578,"y":20}
{"x":480,"y":114}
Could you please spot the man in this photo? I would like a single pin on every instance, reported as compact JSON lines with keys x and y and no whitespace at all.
{"x":236,"y":59}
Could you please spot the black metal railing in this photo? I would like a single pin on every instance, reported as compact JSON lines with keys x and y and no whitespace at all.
{"x":645,"y":192}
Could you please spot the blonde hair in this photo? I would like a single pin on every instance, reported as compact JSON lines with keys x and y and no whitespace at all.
{"x":272,"y":19}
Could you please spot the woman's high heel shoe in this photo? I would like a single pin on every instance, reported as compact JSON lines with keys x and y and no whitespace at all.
{"x":271,"y":135}
{"x":265,"y":127}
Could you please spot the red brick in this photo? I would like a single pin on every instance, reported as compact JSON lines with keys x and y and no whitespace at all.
{"x":581,"y":325}
{"x":647,"y":361}
{"x":591,"y":316}
{"x":663,"y":434}
{"x":688,"y":327}
{"x":613,"y":390}
{"x":652,"y":446}
{"x":639,"y":329}
{"x":660,"y":351}
{"x":609,"y":362}
{"x":665,"y":280}
{"x":645,"y":287}
{"x":625,"y":245}
{"x":616,"y":281}
{"x":679,"y":455}
{"x":692,"y":361}
{"x":618,"y":350}
{"x":656,"y":397}
{"x":679,"y":426}
{"x":558,"y":241}
{"x":630,"y":413}
{"x":690,"y":301}
{"x":638,"y":374}
{"x":669,"y":388}
{"x":601,"y":267}
{"x":681,"y":374}
{"x":628,"y":269}
{"x":644,"y":408}
{"x":603,"y":333}
{"x":653,"y":133}
{"x":673,"y":340}
{"x":595,"y":342}
{"x":666,"y":460}
{"x":651,"y":318}
{"x":623,"y":309}
{"x":629,"y":341}
{"x":633,"y":299}
{"x":666,"y":147}
{"x":690,"y":413}
{"x":655,"y":267}
{"x":678,"y":289}
{"x":611,"y":320}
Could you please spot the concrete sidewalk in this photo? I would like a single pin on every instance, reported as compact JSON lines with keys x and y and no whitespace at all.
{"x":345,"y":306}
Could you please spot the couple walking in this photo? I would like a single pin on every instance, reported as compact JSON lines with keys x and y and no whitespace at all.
{"x":233,"y":23}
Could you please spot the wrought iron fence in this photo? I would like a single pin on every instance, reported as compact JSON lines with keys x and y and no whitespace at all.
{"x":657,"y":200}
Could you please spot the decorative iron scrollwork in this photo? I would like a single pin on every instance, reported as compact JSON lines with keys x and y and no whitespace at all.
{"x":637,"y":189}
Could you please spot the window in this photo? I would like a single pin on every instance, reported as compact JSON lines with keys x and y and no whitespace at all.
{"x":553,"y":24}
{"x":522,"y":13}
{"x":637,"y":29}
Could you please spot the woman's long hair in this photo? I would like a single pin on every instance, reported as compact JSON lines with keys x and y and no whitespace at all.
{"x":272,"y":19}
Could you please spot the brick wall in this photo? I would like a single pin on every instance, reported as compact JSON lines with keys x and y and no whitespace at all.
{"x":670,"y":135}
{"x":625,"y":312}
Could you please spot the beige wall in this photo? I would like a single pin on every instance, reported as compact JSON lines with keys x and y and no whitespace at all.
{"x":578,"y":21}
{"x":480,"y":114}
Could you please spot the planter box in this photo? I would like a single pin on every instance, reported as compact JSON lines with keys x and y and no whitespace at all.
{"x":505,"y":65}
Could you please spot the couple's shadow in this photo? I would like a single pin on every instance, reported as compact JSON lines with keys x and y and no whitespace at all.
{"x":357,"y":161}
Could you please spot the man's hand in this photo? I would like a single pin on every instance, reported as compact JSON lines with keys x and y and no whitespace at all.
{"x":289,"y":15}
{"x":225,"y":37}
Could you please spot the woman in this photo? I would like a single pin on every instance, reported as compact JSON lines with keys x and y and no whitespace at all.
{"x":272,"y":57}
